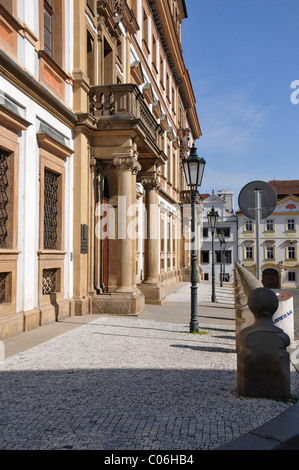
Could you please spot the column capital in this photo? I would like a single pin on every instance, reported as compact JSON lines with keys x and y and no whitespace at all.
{"x":150,"y":181}
{"x":129,"y":163}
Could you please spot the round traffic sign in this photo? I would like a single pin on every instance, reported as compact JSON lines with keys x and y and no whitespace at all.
{"x":247,"y":199}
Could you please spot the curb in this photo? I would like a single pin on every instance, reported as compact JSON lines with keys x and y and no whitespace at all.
{"x":280,"y":433}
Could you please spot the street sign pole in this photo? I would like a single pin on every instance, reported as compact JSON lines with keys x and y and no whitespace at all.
{"x":257,"y":226}
{"x":257,"y":200}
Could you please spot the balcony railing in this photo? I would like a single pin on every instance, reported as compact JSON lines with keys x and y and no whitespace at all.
{"x":123,"y":106}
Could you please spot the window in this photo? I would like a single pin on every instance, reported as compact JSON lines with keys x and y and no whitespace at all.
{"x":53,"y":30}
{"x":51,"y":210}
{"x":226,"y":256}
{"x":167,"y":87}
{"x":162,"y":72}
{"x":145,"y":29}
{"x":10,"y":130}
{"x":206,"y":276}
{"x":269,"y":225}
{"x":119,"y":51}
{"x":225,"y":230}
{"x":108,"y":63}
{"x":154,"y":54}
{"x":90,"y":58}
{"x":205,"y":232}
{"x":173,"y":101}
{"x":48,"y":30}
{"x":51,"y":254}
{"x":174,"y":168}
{"x":4,"y":289}
{"x":205,"y":256}
{"x":162,"y":236}
{"x":291,"y":224}
{"x":248,"y":226}
{"x":49,"y":281}
{"x":291,"y":252}
{"x":270,"y":252}
{"x":168,"y":163}
{"x":4,"y":198}
{"x":291,"y":276}
{"x":249,"y":252}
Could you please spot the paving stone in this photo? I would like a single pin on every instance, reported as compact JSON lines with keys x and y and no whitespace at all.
{"x":127,"y":383}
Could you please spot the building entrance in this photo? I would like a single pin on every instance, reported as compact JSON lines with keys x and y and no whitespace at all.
{"x":270,"y":279}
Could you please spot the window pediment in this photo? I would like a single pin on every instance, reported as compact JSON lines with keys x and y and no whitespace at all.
{"x":12,"y":119}
{"x":136,"y":72}
{"x":147,"y":91}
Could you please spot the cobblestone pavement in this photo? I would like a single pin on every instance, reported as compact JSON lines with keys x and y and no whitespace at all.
{"x":128,"y":384}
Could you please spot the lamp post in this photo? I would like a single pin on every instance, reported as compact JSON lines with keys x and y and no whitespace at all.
{"x":221,"y":240}
{"x":193,"y":169}
{"x":213,"y":219}
{"x":224,"y":248}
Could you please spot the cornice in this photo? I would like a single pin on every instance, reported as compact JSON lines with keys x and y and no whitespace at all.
{"x":176,"y":75}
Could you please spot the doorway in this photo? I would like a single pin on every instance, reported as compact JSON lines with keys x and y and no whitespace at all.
{"x":270,"y":279}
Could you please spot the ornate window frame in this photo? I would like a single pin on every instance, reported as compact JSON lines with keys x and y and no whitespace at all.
{"x":52,"y":158}
{"x":11,"y":124}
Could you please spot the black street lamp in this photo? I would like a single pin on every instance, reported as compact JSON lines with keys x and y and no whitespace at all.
{"x":221,"y":240}
{"x":193,"y":169}
{"x":224,"y":248}
{"x":213,"y":219}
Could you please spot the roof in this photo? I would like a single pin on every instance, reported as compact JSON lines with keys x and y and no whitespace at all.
{"x":285,"y":187}
{"x":204,"y":196}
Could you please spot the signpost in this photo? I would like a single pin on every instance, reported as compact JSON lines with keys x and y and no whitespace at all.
{"x":257,"y":200}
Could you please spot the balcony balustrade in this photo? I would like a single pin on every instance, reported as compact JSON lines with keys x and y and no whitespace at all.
{"x":123,"y":107}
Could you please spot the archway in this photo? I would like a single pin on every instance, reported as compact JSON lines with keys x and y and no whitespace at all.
{"x":270,"y":279}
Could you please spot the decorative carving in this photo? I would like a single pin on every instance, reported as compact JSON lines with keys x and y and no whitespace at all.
{"x":127,"y":163}
{"x":151,"y":183}
{"x":185,"y":137}
{"x":119,"y":6}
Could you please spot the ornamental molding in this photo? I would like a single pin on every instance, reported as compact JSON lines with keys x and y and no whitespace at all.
{"x":127,"y":163}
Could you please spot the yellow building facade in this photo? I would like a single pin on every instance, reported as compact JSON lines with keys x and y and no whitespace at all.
{"x":279,"y":239}
{"x":97,"y":111}
{"x":136,"y":119}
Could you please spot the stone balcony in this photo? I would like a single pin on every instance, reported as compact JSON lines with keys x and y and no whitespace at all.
{"x":121,"y":108}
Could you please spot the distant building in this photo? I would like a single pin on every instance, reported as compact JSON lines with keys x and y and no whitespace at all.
{"x":278,"y":239}
{"x":223,"y":203}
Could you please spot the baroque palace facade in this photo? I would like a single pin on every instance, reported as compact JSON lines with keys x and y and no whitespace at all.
{"x":96,"y":112}
{"x":279,"y":237}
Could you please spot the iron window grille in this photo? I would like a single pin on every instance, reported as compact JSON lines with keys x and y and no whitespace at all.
{"x":49,"y":281}
{"x":3,"y":288}
{"x":51,"y":185}
{"x":4,"y":197}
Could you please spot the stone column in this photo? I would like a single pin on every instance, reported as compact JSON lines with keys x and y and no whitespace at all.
{"x":91,"y":251}
{"x":126,"y":299}
{"x":126,"y":166}
{"x":151,"y":287}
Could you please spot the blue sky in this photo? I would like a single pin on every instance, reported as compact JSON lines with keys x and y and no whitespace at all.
{"x":242,"y":57}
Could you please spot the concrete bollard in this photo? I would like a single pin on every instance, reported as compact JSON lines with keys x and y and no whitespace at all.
{"x":245,"y":282}
{"x":263,"y":363}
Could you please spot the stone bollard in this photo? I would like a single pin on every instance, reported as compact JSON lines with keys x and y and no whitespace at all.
{"x":263,"y":363}
{"x":245,"y":283}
